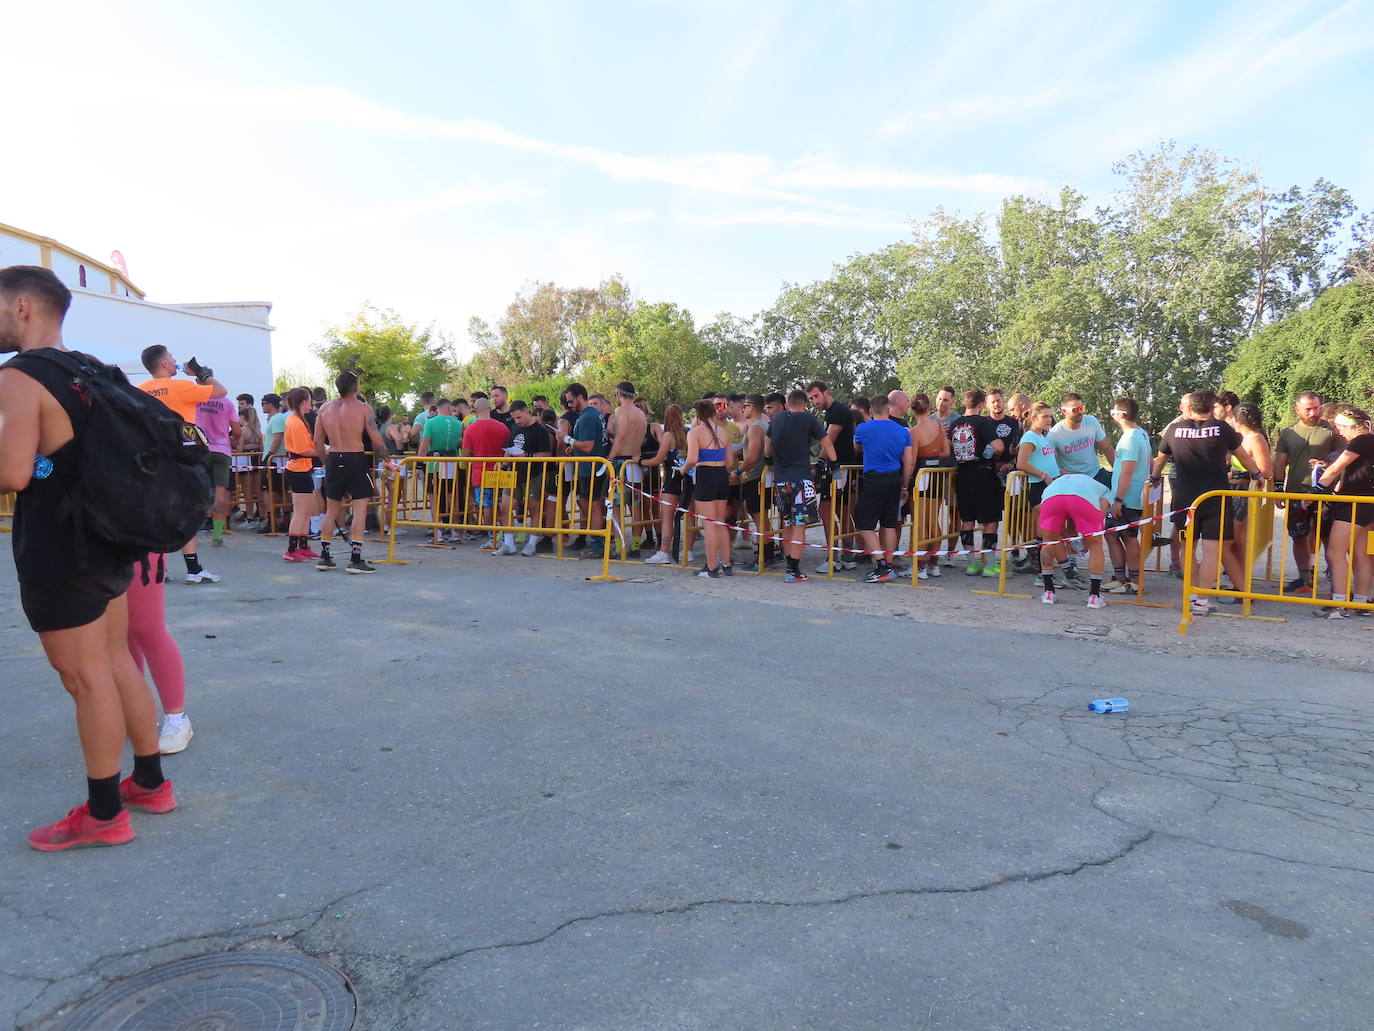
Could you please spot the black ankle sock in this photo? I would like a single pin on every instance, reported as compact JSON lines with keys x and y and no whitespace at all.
{"x":192,"y":563}
{"x":148,"y":771}
{"x":966,"y":539}
{"x":1094,"y":585}
{"x":356,"y":550}
{"x":1048,"y":580}
{"x":103,"y":796}
{"x":793,"y":564}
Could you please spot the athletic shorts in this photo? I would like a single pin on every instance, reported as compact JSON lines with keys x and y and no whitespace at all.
{"x":1349,"y":512}
{"x":593,"y":488}
{"x":1035,"y":492}
{"x":484,"y":497}
{"x":1213,"y":521}
{"x":1086,"y":517}
{"x":349,"y":474}
{"x":713,"y":483}
{"x":753,"y":497}
{"x":880,"y":501}
{"x":978,"y":493}
{"x":674,"y":484}
{"x":73,"y":603}
{"x":630,"y":471}
{"x":1298,"y":518}
{"x":1128,"y":515}
{"x":219,"y":469}
{"x":300,"y":483}
{"x":797,"y":502}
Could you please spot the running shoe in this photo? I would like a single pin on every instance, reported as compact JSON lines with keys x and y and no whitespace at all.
{"x":529,"y":548}
{"x":1096,"y":601}
{"x":922,"y":573}
{"x":974,"y":567}
{"x":824,"y":568}
{"x":203,"y":577}
{"x":325,"y":563}
{"x":308,"y":552}
{"x":794,"y":578}
{"x":173,"y":733}
{"x":992,"y":569}
{"x":1336,"y":613}
{"x":504,"y":549}
{"x":358,"y":564}
{"x":879,"y":575}
{"x":728,"y":569}
{"x":592,"y":552}
{"x":293,"y":555}
{"x":313,"y":535}
{"x":1047,"y":598}
{"x":1298,"y":585}
{"x":713,"y":574}
{"x":578,"y":543}
{"x":79,"y":829}
{"x":1200,"y":607}
{"x":847,"y":564}
{"x":544,"y":547}
{"x":659,"y":558}
{"x":1022,"y":565}
{"x":1074,"y":580}
{"x":160,"y":799}
{"x":935,"y":570}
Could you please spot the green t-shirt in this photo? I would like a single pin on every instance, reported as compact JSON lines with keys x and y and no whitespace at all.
{"x":444,"y":434}
{"x":1301,"y":443}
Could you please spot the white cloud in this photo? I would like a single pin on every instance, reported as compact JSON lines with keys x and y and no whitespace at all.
{"x":825,"y":174}
{"x":447,"y":200}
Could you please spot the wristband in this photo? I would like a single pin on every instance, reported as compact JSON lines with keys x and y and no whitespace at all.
{"x":567,"y":439}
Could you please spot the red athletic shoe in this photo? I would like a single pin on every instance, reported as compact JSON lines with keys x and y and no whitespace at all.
{"x":295,"y":555}
{"x":160,"y":799}
{"x":79,"y":829}
{"x":310,"y":554}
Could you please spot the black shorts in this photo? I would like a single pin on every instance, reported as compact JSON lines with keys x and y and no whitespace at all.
{"x":880,"y":501}
{"x":1035,"y":492}
{"x":674,"y":484}
{"x":734,"y":493}
{"x":753,"y":497}
{"x":73,"y":603}
{"x":1213,"y":521}
{"x":713,"y":483}
{"x":1128,"y":515}
{"x":349,"y":474}
{"x":1348,"y":512}
{"x":300,"y":483}
{"x":593,"y":488}
{"x":1298,"y":518}
{"x":979,"y":494}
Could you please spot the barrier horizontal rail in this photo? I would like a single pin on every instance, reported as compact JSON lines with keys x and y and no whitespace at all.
{"x":1321,"y":516}
{"x":463,"y":488}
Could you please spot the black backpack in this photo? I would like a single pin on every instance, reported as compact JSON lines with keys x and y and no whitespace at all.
{"x":143,"y":478}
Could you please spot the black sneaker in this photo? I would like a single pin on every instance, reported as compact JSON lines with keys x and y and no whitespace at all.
{"x":714,"y":574}
{"x":545,"y":545}
{"x":578,"y":543}
{"x":358,"y":564}
{"x":881,"y":574}
{"x":728,"y":570}
{"x":325,"y":563}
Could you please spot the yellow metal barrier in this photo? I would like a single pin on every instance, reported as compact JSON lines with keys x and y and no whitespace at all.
{"x":6,"y":512}
{"x":844,"y":496}
{"x":1145,"y":538}
{"x":1018,"y":529}
{"x":1351,"y":557}
{"x":933,"y":517}
{"x":457,"y":501}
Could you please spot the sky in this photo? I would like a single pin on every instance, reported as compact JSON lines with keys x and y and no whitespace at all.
{"x":437,"y":159}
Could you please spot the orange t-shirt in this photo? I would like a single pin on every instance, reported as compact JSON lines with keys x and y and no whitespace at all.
{"x":180,"y":395}
{"x":297,"y":440}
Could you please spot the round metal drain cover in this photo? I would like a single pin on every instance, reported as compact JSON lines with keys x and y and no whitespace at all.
{"x":234,"y":991}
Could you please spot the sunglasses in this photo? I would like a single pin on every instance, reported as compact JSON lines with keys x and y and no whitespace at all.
{"x":1071,"y":409}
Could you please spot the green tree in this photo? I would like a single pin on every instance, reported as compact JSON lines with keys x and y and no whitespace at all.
{"x":394,"y":361}
{"x":654,"y":346}
{"x":1328,"y":348}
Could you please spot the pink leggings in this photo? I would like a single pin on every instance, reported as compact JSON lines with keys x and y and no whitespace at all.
{"x":150,"y":641}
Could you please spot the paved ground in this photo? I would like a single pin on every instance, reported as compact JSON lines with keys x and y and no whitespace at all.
{"x":499,"y":796}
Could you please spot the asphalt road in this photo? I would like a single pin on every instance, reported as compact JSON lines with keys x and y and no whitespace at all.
{"x":498,"y":796}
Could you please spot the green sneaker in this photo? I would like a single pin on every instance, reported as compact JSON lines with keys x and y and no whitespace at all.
{"x":993,"y":569}
{"x":974,"y":567}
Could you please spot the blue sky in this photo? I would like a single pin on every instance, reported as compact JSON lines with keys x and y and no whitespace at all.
{"x":437,"y":158}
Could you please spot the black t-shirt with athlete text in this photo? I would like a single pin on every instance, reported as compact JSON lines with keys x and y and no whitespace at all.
{"x":792,"y":434}
{"x":969,"y":436}
{"x":1200,"y":449}
{"x":839,"y":414}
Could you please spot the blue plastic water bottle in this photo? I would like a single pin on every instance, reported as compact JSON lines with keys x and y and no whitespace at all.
{"x":42,"y":467}
{"x":1109,"y":705}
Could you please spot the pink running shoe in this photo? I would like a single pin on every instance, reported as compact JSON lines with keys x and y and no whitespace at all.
{"x":160,"y":799}
{"x":79,"y":829}
{"x":295,"y":555}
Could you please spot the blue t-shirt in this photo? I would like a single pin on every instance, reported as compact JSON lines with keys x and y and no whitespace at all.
{"x":883,"y":442}
{"x":590,"y":426}
{"x":1133,"y":446}
{"x":1042,"y":457}
{"x":1077,"y":485}
{"x":1076,"y":450}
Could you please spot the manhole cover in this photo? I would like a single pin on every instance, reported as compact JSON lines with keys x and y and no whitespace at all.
{"x":236,"y":991}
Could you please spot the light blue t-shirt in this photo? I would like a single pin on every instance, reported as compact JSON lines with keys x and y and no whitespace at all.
{"x":1077,"y":485}
{"x":276,"y":424}
{"x":1042,"y":457}
{"x":1134,"y":445}
{"x":1076,"y":450}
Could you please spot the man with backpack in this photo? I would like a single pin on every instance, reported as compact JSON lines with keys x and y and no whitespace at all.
{"x":55,"y":405}
{"x":182,"y":397}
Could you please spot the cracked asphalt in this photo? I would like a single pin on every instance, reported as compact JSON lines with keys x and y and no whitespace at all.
{"x":498,"y":796}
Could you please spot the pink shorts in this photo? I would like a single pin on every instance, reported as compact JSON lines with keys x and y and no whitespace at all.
{"x":1085,"y":516}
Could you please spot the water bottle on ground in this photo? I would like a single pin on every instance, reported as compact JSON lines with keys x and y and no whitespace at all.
{"x":1109,"y":705}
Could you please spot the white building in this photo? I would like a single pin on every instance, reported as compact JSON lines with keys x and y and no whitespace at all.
{"x":111,"y":320}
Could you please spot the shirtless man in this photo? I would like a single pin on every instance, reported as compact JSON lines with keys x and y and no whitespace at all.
{"x":626,"y":428}
{"x":932,"y":450}
{"x":348,"y":470}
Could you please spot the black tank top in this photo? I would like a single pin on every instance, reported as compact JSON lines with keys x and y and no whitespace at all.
{"x":649,"y":448}
{"x":45,"y":545}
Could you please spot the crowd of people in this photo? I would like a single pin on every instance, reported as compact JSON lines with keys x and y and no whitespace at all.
{"x":726,"y":468}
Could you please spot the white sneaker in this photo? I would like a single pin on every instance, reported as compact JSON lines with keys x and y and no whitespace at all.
{"x":203,"y":577}
{"x":922,"y":573}
{"x":1047,"y":598}
{"x":173,"y":733}
{"x":659,"y":558}
{"x":846,"y":564}
{"x":935,"y":570}
{"x":1200,"y":607}
{"x":1096,"y":601}
{"x":528,"y":549}
{"x":504,"y":549}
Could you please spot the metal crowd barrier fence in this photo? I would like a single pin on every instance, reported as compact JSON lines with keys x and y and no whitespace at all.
{"x":933,"y":516}
{"x":844,"y":496}
{"x":1344,"y":552}
{"x":6,"y":512}
{"x":493,"y":496}
{"x":1018,"y":530}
